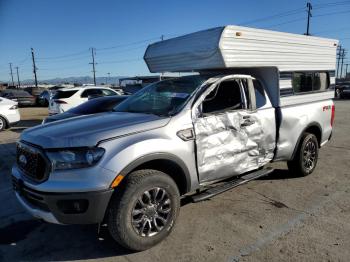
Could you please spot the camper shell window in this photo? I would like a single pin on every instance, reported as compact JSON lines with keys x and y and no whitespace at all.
{"x":310,"y":82}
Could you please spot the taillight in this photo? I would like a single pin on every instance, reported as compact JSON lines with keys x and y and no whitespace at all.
{"x":333,"y":115}
{"x":60,"y":102}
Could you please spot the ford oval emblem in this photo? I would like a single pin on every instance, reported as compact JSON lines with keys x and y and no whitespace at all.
{"x":22,"y":159}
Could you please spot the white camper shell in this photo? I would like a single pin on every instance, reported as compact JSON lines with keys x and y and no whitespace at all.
{"x":236,"y":47}
{"x":273,"y":57}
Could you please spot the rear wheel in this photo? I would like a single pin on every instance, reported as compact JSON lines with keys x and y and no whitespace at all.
{"x":143,"y":210}
{"x":338,"y":94}
{"x":2,"y":123}
{"x":305,"y":159}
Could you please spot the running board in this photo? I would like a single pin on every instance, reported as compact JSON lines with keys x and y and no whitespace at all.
{"x":209,"y":193}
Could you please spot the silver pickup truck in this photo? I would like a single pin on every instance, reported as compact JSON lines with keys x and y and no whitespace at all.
{"x":172,"y":139}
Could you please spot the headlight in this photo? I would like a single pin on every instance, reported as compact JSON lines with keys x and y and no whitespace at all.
{"x":75,"y":158}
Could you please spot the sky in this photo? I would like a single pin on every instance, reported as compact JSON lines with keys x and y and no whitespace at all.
{"x":61,"y":32}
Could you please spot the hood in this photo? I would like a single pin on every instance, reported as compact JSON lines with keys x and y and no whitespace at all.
{"x":61,"y":116}
{"x":89,"y":130}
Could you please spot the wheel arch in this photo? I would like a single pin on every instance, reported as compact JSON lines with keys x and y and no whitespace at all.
{"x":164,"y":162}
{"x":313,"y":128}
{"x":7,"y":123}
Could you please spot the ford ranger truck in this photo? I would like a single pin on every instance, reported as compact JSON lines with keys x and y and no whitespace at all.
{"x":129,"y":168}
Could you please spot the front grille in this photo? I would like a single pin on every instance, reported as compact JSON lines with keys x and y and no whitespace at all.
{"x":32,"y":162}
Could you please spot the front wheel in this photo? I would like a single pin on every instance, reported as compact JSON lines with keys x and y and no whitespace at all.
{"x":2,"y":123}
{"x":142,"y":212}
{"x":305,"y":159}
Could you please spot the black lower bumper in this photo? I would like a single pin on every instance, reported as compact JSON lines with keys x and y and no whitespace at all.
{"x":67,"y":208}
{"x":13,"y":124}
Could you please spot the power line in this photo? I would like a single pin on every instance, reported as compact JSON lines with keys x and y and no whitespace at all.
{"x":62,"y":56}
{"x":127,"y":44}
{"x":121,"y":61}
{"x":333,"y":30}
{"x":283,"y":14}
{"x":287,"y":22}
{"x":333,"y":13}
{"x":293,"y":12}
{"x":82,"y":54}
{"x":62,"y":68}
{"x":66,"y":59}
{"x":300,"y":19}
{"x":330,"y":4}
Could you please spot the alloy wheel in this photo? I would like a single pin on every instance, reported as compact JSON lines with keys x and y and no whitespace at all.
{"x":2,"y":124}
{"x":309,"y":155}
{"x":151,"y":212}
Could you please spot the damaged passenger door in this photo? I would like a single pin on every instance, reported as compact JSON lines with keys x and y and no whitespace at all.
{"x":229,"y":133}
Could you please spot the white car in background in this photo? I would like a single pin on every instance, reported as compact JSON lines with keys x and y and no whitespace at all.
{"x":9,"y":113}
{"x":67,"y":98}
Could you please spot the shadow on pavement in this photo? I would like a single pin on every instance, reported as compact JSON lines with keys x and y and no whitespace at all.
{"x":279,"y":174}
{"x":36,"y":240}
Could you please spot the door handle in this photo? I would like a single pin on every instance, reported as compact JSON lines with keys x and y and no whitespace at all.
{"x":247,"y":123}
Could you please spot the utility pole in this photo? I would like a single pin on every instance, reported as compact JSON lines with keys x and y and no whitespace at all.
{"x":11,"y":73}
{"x":34,"y":68}
{"x":346,"y":70}
{"x":19,"y":83}
{"x":107,"y":80}
{"x":93,"y":63}
{"x":162,"y":73}
{"x":342,"y":62}
{"x":338,"y":63}
{"x":309,"y":8}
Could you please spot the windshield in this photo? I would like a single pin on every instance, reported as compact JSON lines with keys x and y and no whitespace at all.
{"x":97,"y":105}
{"x":163,"y":98}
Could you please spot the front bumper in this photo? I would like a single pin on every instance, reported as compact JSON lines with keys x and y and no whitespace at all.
{"x":63,"y":208}
{"x":13,"y":124}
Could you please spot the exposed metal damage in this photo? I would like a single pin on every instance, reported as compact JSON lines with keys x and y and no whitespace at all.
{"x":225,"y":147}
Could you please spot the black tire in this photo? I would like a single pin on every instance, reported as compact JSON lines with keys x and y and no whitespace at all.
{"x":305,"y":159}
{"x":337,"y":93}
{"x":125,"y":201}
{"x":2,"y":123}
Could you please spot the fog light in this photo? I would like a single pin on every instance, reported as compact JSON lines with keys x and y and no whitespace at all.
{"x":75,"y":206}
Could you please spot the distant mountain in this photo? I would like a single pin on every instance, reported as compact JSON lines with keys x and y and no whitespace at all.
{"x":76,"y":79}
